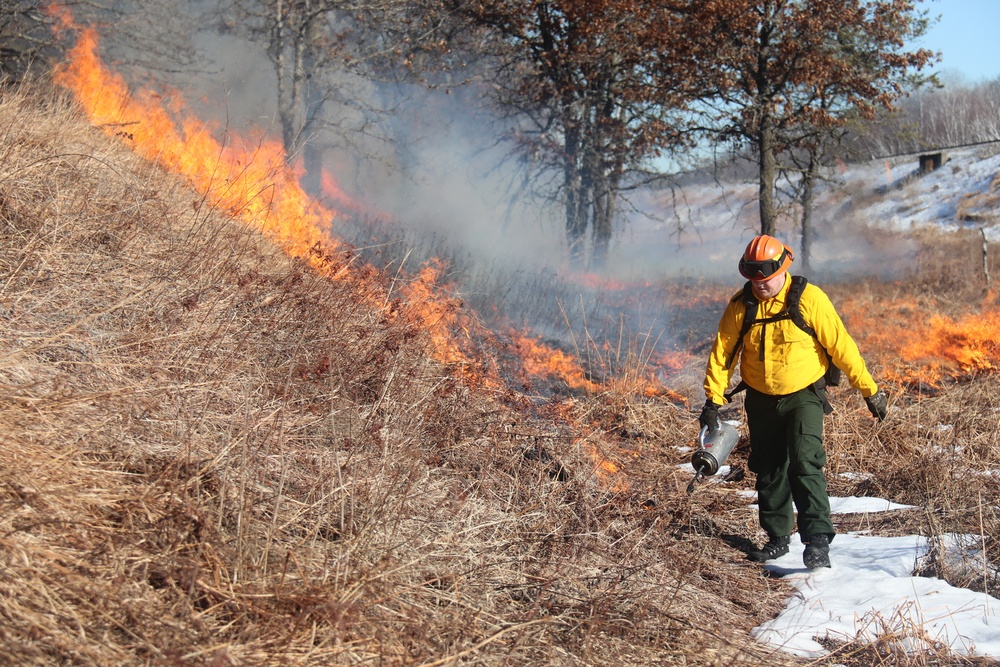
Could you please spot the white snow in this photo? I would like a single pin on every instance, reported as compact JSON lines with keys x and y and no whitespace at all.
{"x":869,"y":593}
{"x":855,"y":504}
{"x":863,"y":505}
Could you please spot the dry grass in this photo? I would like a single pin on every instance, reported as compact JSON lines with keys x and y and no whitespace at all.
{"x":212,"y":455}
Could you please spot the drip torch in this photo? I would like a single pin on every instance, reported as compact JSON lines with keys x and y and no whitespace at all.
{"x":714,"y":445}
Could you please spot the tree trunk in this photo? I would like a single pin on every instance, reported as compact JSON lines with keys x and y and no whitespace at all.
{"x":576,"y":211}
{"x":605,"y":207}
{"x":288,"y":50}
{"x":312,"y":108}
{"x":809,"y":181}
{"x":762,"y":107}
{"x":603,"y":213}
{"x":986,"y":257}
{"x":768,"y":170}
{"x":576,"y":223}
{"x":312,"y":163}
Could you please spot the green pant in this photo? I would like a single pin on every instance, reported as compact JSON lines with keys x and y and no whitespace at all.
{"x":787,"y":455}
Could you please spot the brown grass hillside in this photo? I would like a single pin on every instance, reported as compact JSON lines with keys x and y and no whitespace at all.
{"x":211,"y":455}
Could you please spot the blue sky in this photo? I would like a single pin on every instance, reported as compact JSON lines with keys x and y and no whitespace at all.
{"x":966,"y":36}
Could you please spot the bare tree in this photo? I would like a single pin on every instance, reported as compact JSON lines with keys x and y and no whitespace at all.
{"x":813,"y":146}
{"x":593,"y":89}
{"x":330,"y":59}
{"x":303,"y":40}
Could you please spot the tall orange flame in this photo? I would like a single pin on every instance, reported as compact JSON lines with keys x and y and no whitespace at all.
{"x":248,"y":179}
{"x":443,"y":316}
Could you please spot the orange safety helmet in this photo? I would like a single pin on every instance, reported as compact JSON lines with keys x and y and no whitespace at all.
{"x":764,"y":258}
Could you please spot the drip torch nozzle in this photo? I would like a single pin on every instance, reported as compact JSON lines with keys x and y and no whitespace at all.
{"x":697,"y":475}
{"x":714,"y":445}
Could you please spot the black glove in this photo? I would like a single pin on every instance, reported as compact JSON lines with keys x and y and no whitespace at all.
{"x":877,"y":404}
{"x":709,"y":415}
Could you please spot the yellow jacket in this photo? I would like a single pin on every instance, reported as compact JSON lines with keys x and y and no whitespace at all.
{"x":793,"y":359}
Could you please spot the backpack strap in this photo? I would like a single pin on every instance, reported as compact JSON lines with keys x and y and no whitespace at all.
{"x":750,"y":304}
{"x":749,"y":313}
{"x":792,"y":304}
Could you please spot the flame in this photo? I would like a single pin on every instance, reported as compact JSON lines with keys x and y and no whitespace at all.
{"x":249,"y":179}
{"x":918,"y":348}
{"x":451,"y":327}
{"x":605,"y":469}
{"x":603,"y":283}
{"x":545,"y":361}
{"x":62,"y":19}
{"x":334,"y":193}
{"x":438,"y":315}
{"x":956,"y":347}
{"x":673,"y":360}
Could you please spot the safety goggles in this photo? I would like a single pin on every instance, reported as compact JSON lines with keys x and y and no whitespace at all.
{"x":764,"y":269}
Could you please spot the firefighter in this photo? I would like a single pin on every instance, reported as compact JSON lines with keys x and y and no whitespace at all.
{"x":784,"y":360}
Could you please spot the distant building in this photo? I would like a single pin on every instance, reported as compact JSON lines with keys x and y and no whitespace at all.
{"x":931,"y":161}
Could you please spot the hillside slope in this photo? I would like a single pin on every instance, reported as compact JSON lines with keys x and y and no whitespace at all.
{"x":213,"y":455}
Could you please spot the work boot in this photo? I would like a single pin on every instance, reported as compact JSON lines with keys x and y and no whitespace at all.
{"x":817,"y":553}
{"x":776,"y":547}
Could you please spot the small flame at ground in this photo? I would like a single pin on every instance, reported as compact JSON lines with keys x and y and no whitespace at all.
{"x":606,"y":470}
{"x":545,"y":361}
